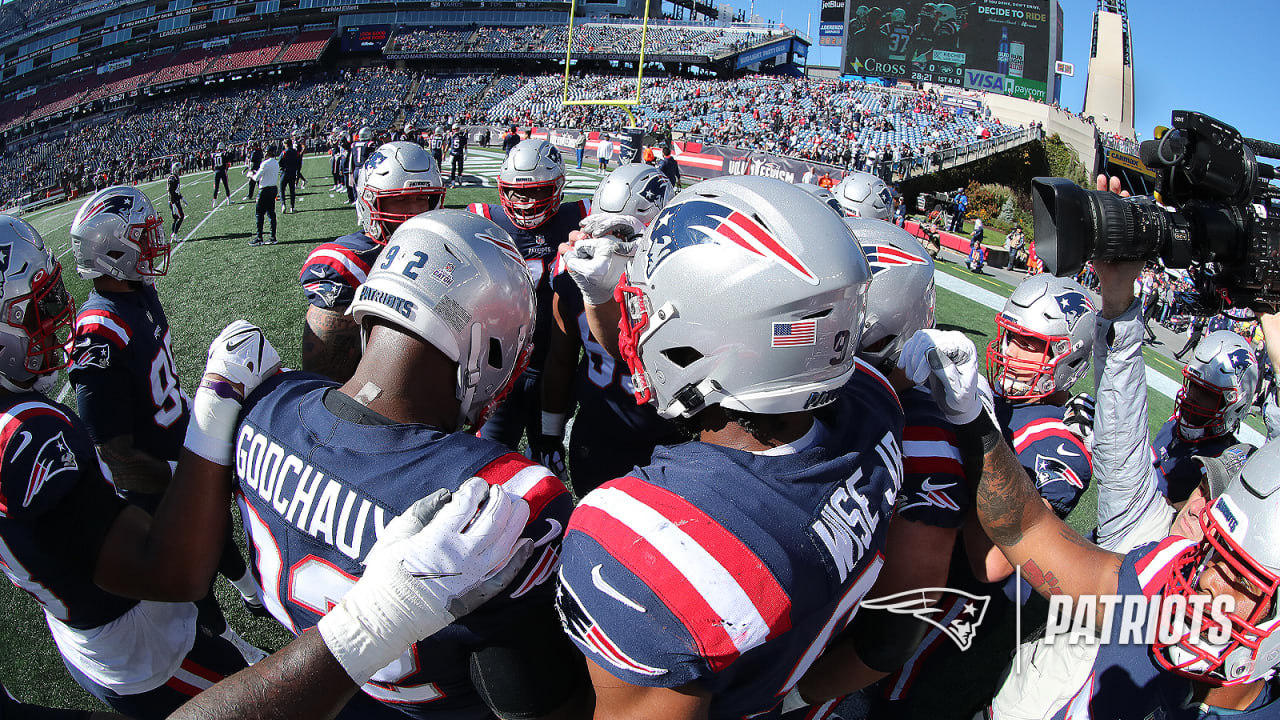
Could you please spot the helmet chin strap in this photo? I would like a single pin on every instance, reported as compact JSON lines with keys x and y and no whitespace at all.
{"x":41,"y":384}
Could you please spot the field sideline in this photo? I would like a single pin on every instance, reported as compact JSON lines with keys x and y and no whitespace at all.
{"x":215,"y":277}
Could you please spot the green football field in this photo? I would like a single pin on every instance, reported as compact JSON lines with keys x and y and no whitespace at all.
{"x":215,"y":277}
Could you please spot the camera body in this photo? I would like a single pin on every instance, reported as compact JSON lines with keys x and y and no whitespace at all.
{"x":1214,"y":211}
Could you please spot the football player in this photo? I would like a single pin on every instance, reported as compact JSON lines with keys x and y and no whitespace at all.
{"x":530,"y":190}
{"x":221,"y":165}
{"x":399,"y":181}
{"x":176,"y":201}
{"x":361,"y":149}
{"x":1219,"y":385}
{"x":122,"y":365}
{"x":1044,"y":337}
{"x":445,"y":320}
{"x":864,"y":195}
{"x":1186,"y":672}
{"x":705,"y":584}
{"x":75,"y":546}
{"x":611,"y":433}
{"x":934,"y":498}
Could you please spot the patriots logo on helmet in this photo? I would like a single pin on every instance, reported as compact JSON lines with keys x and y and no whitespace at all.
{"x":5,"y":252}
{"x":958,"y":613}
{"x":655,"y":189}
{"x":374,"y":161}
{"x":1074,"y":305}
{"x":701,"y":222}
{"x":1240,"y":360}
{"x":1050,"y":469}
{"x":883,"y":257}
{"x":120,"y":205}
{"x":554,"y":154}
{"x":55,"y":457}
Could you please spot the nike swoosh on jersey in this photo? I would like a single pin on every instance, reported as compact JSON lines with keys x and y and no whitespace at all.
{"x":928,"y":486}
{"x":611,"y":591}
{"x":22,"y":445}
{"x":432,"y":576}
{"x":552,"y":534}
{"x":1063,"y":451}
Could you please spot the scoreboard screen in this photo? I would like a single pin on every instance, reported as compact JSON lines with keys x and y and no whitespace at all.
{"x":999,"y":46}
{"x":365,"y":38}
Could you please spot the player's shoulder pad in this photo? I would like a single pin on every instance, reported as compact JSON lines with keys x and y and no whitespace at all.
{"x":479,"y":209}
{"x":42,"y":450}
{"x":104,"y":324}
{"x":725,"y":597}
{"x":869,"y":386}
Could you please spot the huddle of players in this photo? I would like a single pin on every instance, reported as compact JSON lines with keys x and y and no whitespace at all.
{"x":718,"y":577}
{"x":893,"y":34}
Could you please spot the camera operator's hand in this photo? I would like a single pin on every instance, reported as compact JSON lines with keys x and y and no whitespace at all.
{"x":1116,"y":277}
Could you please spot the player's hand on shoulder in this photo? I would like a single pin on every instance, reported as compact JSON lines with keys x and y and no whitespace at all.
{"x":242,"y":355}
{"x":439,"y":560}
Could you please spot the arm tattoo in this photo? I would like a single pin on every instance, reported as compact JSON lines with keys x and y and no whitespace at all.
{"x":1006,"y":498}
{"x":1045,"y":583}
{"x":330,"y":344}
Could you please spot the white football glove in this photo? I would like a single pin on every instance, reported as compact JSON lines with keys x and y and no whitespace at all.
{"x":441,"y":559}
{"x":596,"y":263}
{"x":618,"y":225}
{"x":242,"y":355}
{"x":948,"y":361}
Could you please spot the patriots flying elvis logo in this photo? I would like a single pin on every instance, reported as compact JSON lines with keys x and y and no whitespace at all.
{"x":656,"y":188}
{"x":883,"y":257}
{"x":702,"y":222}
{"x":1074,"y":305}
{"x":1240,"y":359}
{"x":5,"y":252}
{"x":120,"y":205}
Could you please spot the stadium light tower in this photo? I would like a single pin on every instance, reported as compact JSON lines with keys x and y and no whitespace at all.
{"x":1108,"y":94}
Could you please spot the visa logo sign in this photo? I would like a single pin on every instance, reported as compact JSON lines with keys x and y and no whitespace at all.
{"x":989,"y":81}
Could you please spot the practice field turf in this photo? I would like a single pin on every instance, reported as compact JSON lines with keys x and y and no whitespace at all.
{"x":215,"y":277}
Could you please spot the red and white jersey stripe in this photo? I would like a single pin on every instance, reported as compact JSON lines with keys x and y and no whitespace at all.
{"x":105,"y":324}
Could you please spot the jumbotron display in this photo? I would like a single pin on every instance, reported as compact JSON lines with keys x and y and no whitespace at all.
{"x":999,"y":46}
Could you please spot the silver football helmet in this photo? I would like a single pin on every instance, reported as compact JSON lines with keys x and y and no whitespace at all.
{"x":1219,"y":385}
{"x":824,"y":195}
{"x":399,"y":180}
{"x":1241,"y":547}
{"x":119,"y":234}
{"x":745,"y":292}
{"x":365,"y":133}
{"x":902,"y":298}
{"x":865,"y":195}
{"x":1044,"y":336}
{"x":531,"y":183}
{"x":37,"y":315}
{"x":456,"y":280}
{"x":638,"y":190}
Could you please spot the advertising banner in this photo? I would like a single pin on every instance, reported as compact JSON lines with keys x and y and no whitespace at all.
{"x":772,"y":50}
{"x":939,"y":43}
{"x":831,"y":23}
{"x":364,"y":38}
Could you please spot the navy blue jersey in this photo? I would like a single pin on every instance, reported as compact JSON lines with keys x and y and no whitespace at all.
{"x":1126,"y":682}
{"x":334,"y":270}
{"x":731,"y":568}
{"x":540,"y":248}
{"x":934,"y":491}
{"x":1052,"y":455}
{"x":315,"y":490}
{"x":221,"y":161}
{"x":124,"y":373}
{"x":1176,"y":473}
{"x":56,"y":507}
{"x":360,"y":152}
{"x":175,"y":190}
{"x":457,"y":144}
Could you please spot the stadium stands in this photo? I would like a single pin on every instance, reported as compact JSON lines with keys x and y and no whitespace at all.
{"x":183,"y":65}
{"x":307,"y":47}
{"x":245,"y":55}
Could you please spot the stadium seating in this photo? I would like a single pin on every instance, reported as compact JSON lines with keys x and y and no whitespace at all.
{"x":246,"y":54}
{"x":183,"y":65}
{"x":307,"y":47}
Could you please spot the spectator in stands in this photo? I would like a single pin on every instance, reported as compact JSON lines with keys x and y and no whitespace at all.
{"x":1014,"y":244}
{"x":267,"y":176}
{"x":290,"y":168}
{"x":826,"y":181}
{"x":810,"y":176}
{"x":604,"y":152}
{"x":669,"y":167}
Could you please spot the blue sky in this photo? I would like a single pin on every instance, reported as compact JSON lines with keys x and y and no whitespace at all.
{"x":1214,"y":57}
